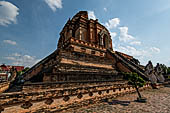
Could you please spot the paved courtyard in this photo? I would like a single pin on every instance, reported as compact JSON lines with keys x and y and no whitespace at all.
{"x":158,"y":101}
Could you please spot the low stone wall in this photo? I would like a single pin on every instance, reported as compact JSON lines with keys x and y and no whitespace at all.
{"x":4,"y":86}
{"x":60,"y":98}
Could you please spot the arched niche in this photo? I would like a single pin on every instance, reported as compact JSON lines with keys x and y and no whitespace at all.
{"x":81,"y":34}
{"x":104,"y":39}
{"x":77,"y":34}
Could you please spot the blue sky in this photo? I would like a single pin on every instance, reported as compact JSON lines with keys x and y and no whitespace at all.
{"x":29,"y":29}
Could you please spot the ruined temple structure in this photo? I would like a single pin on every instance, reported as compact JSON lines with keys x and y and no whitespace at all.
{"x":84,"y":53}
{"x":84,"y":69}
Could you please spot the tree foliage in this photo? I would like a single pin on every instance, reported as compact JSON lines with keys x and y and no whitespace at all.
{"x":23,"y":71}
{"x":134,"y":79}
{"x":168,"y":70}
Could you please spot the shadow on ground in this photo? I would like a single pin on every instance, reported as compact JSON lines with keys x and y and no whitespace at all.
{"x":167,"y":85}
{"x":115,"y":102}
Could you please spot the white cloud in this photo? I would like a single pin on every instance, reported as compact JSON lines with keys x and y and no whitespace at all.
{"x":168,"y":62}
{"x":24,"y":60}
{"x":155,"y":49}
{"x":10,"y":58}
{"x":143,"y":54}
{"x":16,"y":54}
{"x":8,"y":13}
{"x":10,"y":42}
{"x":54,"y":4}
{"x":91,"y":15}
{"x":135,"y":43}
{"x":105,"y":9}
{"x":124,"y":36}
{"x":113,"y":23}
{"x":132,"y":51}
{"x":130,"y":43}
{"x":113,"y":34}
{"x":27,"y":57}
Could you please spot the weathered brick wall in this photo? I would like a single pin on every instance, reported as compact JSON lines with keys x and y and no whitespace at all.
{"x":86,"y":58}
{"x":54,"y":85}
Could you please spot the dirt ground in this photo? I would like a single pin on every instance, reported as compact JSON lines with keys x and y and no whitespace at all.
{"x":158,"y":101}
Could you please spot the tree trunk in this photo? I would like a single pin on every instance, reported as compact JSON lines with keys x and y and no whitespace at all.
{"x":137,"y":91}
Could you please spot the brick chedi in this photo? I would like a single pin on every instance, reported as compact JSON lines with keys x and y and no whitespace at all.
{"x":84,"y":53}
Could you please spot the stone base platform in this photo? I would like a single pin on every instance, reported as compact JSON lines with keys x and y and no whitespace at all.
{"x":59,"y":99}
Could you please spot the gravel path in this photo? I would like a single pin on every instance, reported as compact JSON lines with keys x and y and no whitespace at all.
{"x":158,"y":101}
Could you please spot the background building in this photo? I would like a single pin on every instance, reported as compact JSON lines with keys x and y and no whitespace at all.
{"x":6,"y":70}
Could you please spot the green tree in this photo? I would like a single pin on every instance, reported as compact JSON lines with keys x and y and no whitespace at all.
{"x":168,"y":70}
{"x":19,"y":73}
{"x":25,"y":69}
{"x":164,"y":69}
{"x":135,"y":80}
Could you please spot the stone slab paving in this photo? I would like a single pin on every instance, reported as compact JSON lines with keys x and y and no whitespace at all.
{"x":158,"y":101}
